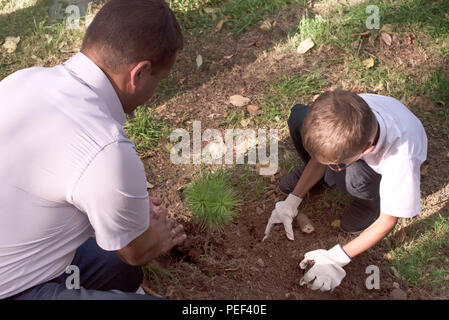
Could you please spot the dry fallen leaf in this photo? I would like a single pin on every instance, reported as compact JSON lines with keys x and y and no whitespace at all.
{"x":368,"y":63}
{"x":238,"y":100}
{"x":244,"y":123}
{"x":219,"y":25}
{"x":305,"y":46}
{"x":149,"y":185}
{"x":400,"y":236}
{"x":213,"y":115}
{"x":228,"y":57}
{"x":10,"y":44}
{"x":387,"y":28}
{"x":386,"y":38}
{"x":266,"y":25}
{"x":161,"y":109}
{"x":49,"y":38}
{"x":211,"y":10}
{"x":395,"y":272}
{"x":379,"y":87}
{"x":254,"y":110}
{"x":424,"y":169}
{"x":199,"y":61}
{"x":336,"y":223}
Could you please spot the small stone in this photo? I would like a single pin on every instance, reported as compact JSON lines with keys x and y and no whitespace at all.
{"x":398,"y":294}
{"x":254,"y":269}
{"x":260,"y":263}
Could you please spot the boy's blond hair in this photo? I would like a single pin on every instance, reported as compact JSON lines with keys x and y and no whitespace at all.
{"x":338,"y":126}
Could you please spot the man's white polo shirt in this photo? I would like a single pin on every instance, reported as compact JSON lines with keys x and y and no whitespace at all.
{"x":67,"y":170}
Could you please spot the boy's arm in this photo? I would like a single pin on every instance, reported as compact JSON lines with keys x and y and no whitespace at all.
{"x":370,"y":236}
{"x":327,"y":271}
{"x":312,"y":173}
{"x":286,"y":210}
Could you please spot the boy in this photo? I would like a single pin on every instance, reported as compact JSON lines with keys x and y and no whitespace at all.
{"x":369,"y":146}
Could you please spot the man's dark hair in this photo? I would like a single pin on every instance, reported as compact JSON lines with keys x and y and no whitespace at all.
{"x":338,"y":126}
{"x":128,"y":31}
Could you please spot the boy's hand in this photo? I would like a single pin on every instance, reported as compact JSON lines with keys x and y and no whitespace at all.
{"x":327,"y":271}
{"x":284,"y":212}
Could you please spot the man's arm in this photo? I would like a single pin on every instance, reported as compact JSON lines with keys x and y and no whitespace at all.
{"x":370,"y":236}
{"x":112,"y":192}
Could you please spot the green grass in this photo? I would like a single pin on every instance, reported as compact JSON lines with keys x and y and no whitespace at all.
{"x":247,"y":183}
{"x":287,"y":91}
{"x":283,"y":93}
{"x":437,"y":88}
{"x":424,"y":260}
{"x":43,"y":41}
{"x":239,"y":15}
{"x":212,"y":201}
{"x":145,"y":130}
{"x":157,"y":275}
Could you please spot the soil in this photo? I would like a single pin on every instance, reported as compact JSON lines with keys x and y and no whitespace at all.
{"x":235,"y":264}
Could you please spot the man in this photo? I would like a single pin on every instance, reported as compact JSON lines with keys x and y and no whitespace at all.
{"x":68,"y":170}
{"x":369,"y":146}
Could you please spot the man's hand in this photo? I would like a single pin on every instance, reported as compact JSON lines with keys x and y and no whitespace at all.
{"x":284,"y":212}
{"x":164,"y":233}
{"x":327,"y":272}
{"x":160,"y":237}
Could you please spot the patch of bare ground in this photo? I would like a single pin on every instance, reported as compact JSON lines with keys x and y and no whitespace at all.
{"x":235,"y":264}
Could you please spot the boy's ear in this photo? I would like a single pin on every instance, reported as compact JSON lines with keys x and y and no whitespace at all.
{"x":368,"y":149}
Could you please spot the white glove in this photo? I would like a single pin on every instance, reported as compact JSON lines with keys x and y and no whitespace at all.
{"x":327,"y":272}
{"x":284,"y":212}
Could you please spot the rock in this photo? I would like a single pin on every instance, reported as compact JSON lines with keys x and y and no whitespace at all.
{"x":254,"y":269}
{"x":260,"y":263}
{"x":398,"y":294}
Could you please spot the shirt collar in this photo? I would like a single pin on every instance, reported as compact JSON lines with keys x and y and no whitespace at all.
{"x":96,"y":79}
{"x":377,"y":152}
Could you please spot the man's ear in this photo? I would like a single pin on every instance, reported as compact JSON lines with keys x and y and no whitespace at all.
{"x":138,"y":73}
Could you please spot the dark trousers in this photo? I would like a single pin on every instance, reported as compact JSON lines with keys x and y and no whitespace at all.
{"x":102,"y":276}
{"x":358,"y":180}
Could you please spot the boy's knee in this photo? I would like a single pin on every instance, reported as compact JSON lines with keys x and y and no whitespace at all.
{"x":297,"y":114}
{"x":361,"y":181}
